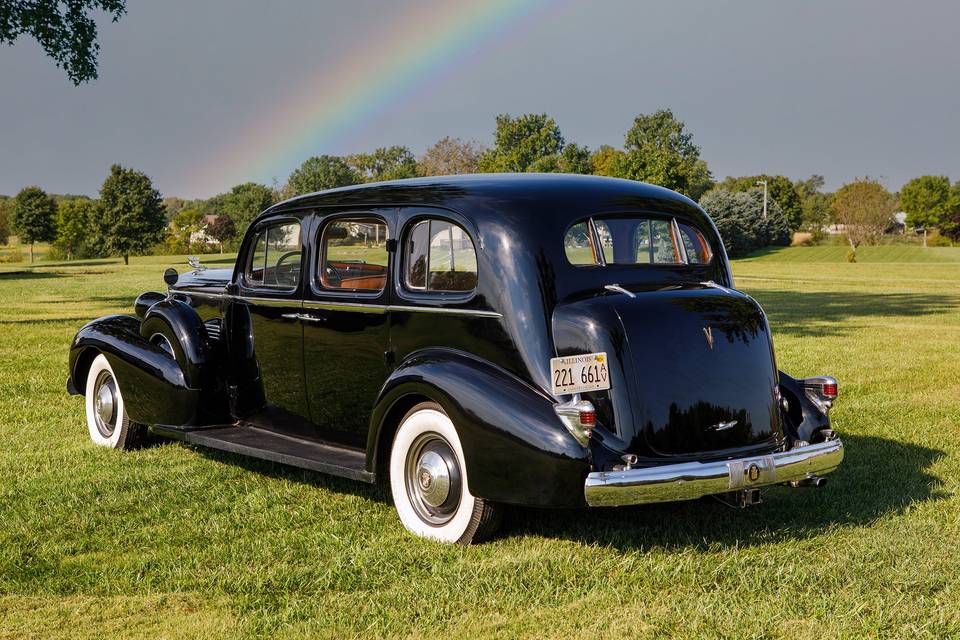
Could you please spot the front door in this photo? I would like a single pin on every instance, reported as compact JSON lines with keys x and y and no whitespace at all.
{"x":268,"y":306}
{"x":346,"y":322}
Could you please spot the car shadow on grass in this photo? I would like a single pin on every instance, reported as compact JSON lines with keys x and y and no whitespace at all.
{"x":30,"y":275}
{"x":829,"y":313}
{"x":878,"y":477}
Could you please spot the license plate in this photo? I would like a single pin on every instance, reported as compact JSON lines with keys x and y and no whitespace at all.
{"x":575,"y":374}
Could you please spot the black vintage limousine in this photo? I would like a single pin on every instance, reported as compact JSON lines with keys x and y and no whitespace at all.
{"x":475,"y":341}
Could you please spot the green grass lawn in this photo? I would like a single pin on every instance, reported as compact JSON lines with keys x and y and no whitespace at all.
{"x":177,"y":542}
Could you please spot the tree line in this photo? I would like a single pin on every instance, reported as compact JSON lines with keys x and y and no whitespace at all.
{"x":130,"y":217}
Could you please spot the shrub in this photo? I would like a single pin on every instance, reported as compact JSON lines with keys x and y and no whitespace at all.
{"x":739,"y":219}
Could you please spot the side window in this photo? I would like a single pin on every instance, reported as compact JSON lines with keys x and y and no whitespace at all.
{"x":635,"y":241}
{"x":275,"y":258}
{"x":698,"y":250}
{"x":354,"y":254}
{"x":578,"y":245}
{"x":439,"y":256}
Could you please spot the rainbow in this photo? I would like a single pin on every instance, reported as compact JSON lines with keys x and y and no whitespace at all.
{"x":344,"y":94}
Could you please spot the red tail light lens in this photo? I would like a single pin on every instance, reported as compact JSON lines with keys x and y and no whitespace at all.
{"x":830,"y":389}
{"x":588,"y":418}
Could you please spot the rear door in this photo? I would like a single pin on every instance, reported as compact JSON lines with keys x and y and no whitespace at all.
{"x":346,"y":321}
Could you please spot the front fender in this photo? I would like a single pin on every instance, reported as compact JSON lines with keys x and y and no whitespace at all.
{"x":516,"y":449}
{"x":154,"y":388}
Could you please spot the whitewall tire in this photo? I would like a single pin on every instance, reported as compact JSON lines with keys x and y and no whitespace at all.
{"x":428,"y":479}
{"x":107,"y":419}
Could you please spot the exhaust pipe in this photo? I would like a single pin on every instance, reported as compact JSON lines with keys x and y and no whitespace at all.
{"x":813,"y":481}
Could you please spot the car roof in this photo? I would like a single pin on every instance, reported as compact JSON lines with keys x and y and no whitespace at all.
{"x":517,"y":200}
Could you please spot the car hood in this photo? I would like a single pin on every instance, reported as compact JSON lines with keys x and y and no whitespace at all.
{"x":692,"y":369}
{"x":206,"y":280}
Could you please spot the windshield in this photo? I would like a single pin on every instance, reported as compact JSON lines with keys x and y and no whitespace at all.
{"x":603,"y":241}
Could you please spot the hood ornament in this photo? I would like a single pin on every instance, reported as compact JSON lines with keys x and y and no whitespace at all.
{"x":708,"y":333}
{"x":194,"y":261}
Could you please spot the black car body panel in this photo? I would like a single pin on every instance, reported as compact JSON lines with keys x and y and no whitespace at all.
{"x":686,"y":352}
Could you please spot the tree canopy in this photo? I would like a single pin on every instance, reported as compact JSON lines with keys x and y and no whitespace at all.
{"x":319,"y":173}
{"x":866,"y":209}
{"x":74,"y":220}
{"x":384,"y":163}
{"x":244,"y":203}
{"x":927,"y":201}
{"x":658,"y":149}
{"x":739,"y":219}
{"x":65,"y":30}
{"x":779,"y":188}
{"x":521,"y":142}
{"x":132,"y":214}
{"x":6,"y":213}
{"x":34,"y":216}
{"x":451,"y":156}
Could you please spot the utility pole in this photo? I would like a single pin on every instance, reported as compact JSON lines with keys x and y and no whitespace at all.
{"x":764,"y":183}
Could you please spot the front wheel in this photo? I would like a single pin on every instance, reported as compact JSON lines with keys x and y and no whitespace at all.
{"x":428,"y":479}
{"x":107,"y":419}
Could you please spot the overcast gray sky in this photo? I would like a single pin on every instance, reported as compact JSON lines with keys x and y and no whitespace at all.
{"x":842,"y":88}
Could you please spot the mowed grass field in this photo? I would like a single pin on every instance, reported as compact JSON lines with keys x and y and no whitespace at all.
{"x":174,"y":542}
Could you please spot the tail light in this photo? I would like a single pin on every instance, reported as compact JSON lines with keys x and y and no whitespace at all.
{"x":579,"y":417}
{"x":821,"y":390}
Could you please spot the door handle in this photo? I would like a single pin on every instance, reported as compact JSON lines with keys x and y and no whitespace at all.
{"x":303,"y":316}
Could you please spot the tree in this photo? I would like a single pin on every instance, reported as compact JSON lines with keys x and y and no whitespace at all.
{"x":926,"y":200}
{"x":6,"y":209}
{"x":64,"y":29}
{"x":385,"y":163}
{"x":319,"y":173}
{"x":573,"y":159}
{"x":132,"y":214}
{"x":244,"y":203}
{"x":659,"y":149}
{"x":814,"y":204}
{"x":451,"y":156}
{"x":950,"y":223}
{"x":222,"y":229}
{"x":779,"y":189}
{"x":739,"y":219}
{"x":74,"y":219}
{"x":182,"y":230}
{"x":606,"y":161}
{"x":522,"y":141}
{"x":34,"y":216}
{"x":865,"y":209}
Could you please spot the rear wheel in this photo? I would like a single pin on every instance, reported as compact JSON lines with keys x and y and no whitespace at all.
{"x":107,"y":419}
{"x":429,"y":482}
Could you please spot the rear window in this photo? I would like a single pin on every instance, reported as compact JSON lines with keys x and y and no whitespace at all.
{"x":633,"y":241}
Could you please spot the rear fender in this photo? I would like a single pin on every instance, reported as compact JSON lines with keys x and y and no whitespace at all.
{"x":515,"y":447}
{"x":803,"y":418}
{"x":154,"y":387}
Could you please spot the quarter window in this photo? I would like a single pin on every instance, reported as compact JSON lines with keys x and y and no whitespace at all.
{"x":439,"y":256}
{"x":354,"y":255}
{"x":626,"y":240}
{"x":698,"y":251}
{"x":275,"y":258}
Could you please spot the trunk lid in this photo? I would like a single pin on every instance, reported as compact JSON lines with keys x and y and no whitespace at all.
{"x":692,"y":369}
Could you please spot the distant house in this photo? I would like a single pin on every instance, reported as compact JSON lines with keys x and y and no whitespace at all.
{"x":201,"y":236}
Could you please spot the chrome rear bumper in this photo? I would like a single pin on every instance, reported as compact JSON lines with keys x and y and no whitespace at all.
{"x":691,"y":480}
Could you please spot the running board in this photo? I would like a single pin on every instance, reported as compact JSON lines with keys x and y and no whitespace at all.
{"x":248,"y":440}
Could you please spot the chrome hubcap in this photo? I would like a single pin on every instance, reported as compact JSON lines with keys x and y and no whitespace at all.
{"x":433,"y":479}
{"x":105,"y":404}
